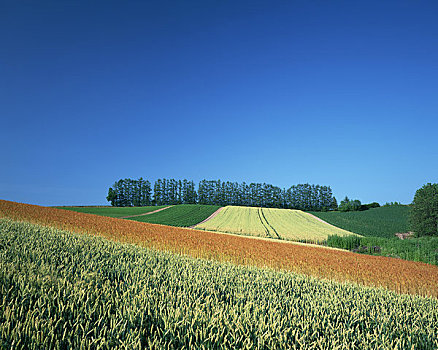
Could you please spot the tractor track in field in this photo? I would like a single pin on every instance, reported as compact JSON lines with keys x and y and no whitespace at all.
{"x":150,"y":212}
{"x":268,"y":234}
{"x":209,"y":218}
{"x":273,"y":229}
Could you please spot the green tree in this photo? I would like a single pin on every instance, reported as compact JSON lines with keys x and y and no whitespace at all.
{"x":112,"y":196}
{"x":424,"y":214}
{"x":349,"y":204}
{"x":334,"y":204}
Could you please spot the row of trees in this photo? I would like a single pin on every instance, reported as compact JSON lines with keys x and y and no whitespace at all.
{"x":303,"y":196}
{"x":174,"y":192}
{"x":128,"y":192}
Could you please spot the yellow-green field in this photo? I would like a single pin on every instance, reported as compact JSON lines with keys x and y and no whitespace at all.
{"x":271,"y":223}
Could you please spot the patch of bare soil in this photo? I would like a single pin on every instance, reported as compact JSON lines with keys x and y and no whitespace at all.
{"x":404,"y":235}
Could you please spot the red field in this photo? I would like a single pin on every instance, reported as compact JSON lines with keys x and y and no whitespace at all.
{"x":395,"y":274}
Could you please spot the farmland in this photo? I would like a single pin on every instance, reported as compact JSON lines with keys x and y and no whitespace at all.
{"x":378,"y":227}
{"x":376,"y":222}
{"x":65,"y":290}
{"x":271,"y":223}
{"x":114,"y":212}
{"x":342,"y":266}
{"x":182,"y":215}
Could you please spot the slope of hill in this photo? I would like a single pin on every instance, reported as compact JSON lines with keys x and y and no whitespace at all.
{"x":343,"y":266}
{"x":182,"y":215}
{"x":114,"y":212}
{"x":378,"y":226}
{"x":376,"y":222}
{"x":272,"y":223}
{"x":63,"y":290}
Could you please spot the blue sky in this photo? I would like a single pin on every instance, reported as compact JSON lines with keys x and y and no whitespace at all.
{"x":339,"y":93}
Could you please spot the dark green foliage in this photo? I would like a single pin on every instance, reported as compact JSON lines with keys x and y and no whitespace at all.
{"x":217,"y":192}
{"x":334,"y":205}
{"x":130,"y":193}
{"x":378,"y":222}
{"x":112,"y":196}
{"x":183,"y":215}
{"x":302,"y":196}
{"x":66,"y":291}
{"x":369,"y":206}
{"x":392,"y":204}
{"x":379,"y":226}
{"x":347,"y":242}
{"x":114,"y":212}
{"x":424,"y":249}
{"x":424,"y":215}
{"x":349,"y":205}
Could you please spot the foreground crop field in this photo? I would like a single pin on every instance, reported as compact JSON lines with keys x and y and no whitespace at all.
{"x":272,"y":223}
{"x":114,"y":212}
{"x":62,"y":290}
{"x":376,"y":222}
{"x":182,"y":215}
{"x":395,"y":274}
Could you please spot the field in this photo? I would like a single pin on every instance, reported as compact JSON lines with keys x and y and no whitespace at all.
{"x":378,"y":227}
{"x":182,"y":215}
{"x":63,"y":290}
{"x":342,"y":266}
{"x":114,"y":212}
{"x":376,"y":222}
{"x":271,"y":223}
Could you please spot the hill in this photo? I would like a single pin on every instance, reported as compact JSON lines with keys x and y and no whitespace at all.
{"x":375,"y":222}
{"x":272,"y":223}
{"x":378,"y":227}
{"x":114,"y":212}
{"x":64,"y":290}
{"x":342,"y":266}
{"x":182,"y":215}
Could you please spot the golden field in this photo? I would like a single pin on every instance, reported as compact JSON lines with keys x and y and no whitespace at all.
{"x":288,"y":224}
{"x":395,"y":274}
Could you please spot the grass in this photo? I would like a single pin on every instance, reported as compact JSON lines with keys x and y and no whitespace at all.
{"x":379,"y":225}
{"x":285,"y":224}
{"x":338,"y":265}
{"x":62,"y":290}
{"x":182,"y":215}
{"x":114,"y":212}
{"x":376,"y":222}
{"x":424,"y":249}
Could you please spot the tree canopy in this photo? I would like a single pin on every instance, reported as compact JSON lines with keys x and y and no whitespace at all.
{"x":424,"y":214}
{"x":350,"y":204}
{"x":128,"y":192}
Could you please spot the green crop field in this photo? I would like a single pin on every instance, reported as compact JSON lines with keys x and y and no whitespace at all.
{"x":114,"y":212}
{"x":62,"y":290}
{"x":376,"y":222}
{"x":183,"y":215}
{"x":378,"y":226}
{"x":272,"y":223}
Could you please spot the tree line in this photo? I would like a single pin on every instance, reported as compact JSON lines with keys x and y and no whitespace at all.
{"x":128,"y":192}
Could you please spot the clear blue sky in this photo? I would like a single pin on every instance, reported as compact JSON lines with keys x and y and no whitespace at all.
{"x":339,"y":93}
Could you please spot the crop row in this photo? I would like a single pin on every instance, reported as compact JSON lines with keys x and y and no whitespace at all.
{"x":395,"y":274}
{"x":114,"y":212}
{"x":61,"y":290}
{"x":182,"y":215}
{"x":375,"y":222}
{"x":294,"y":225}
